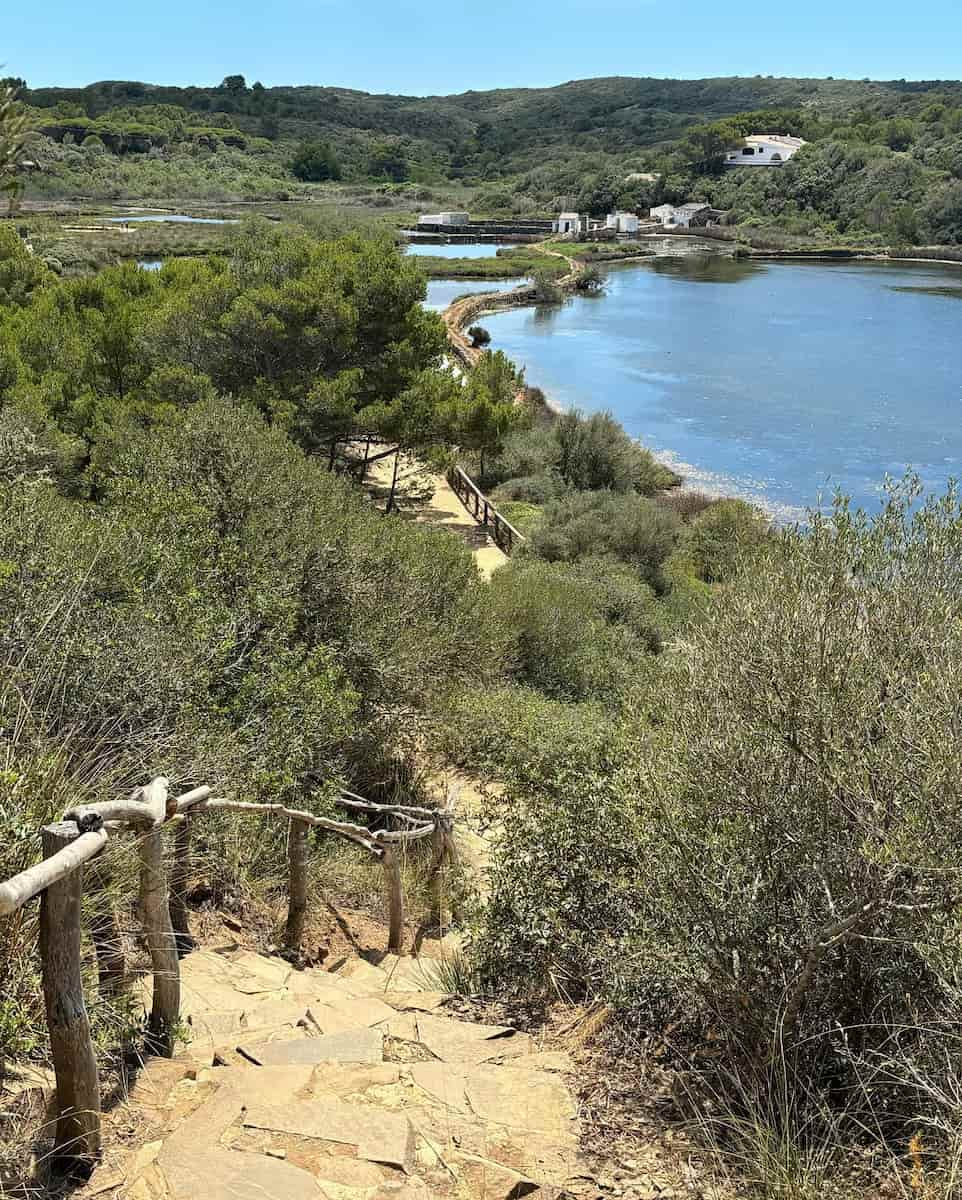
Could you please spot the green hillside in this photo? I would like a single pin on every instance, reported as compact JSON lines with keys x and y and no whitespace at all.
{"x":884,"y":162}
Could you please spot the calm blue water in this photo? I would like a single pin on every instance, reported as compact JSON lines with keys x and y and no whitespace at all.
{"x":466,"y":250}
{"x":442,"y":292}
{"x":774,"y":381}
{"x":150,"y":264}
{"x":173,"y":218}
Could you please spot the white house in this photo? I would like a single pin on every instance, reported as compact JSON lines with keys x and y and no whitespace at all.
{"x":567,"y":223}
{"x":764,"y":150}
{"x":622,"y":222}
{"x":684,"y":215}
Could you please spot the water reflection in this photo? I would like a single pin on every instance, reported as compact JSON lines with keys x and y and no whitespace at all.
{"x":818,"y":375}
{"x":706,"y":268}
{"x":952,"y":292}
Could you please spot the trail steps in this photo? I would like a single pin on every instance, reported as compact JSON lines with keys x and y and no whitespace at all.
{"x":350,"y":1086}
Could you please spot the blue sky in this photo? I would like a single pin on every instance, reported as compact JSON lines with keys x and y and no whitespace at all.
{"x":406,"y":45}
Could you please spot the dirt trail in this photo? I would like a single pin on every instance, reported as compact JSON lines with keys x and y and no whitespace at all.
{"x":357,"y":1085}
{"x":428,"y":498}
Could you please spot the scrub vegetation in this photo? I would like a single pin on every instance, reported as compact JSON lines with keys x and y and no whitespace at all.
{"x":727,"y":755}
{"x":883,"y":165}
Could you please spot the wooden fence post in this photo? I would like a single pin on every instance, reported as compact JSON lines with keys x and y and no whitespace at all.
{"x":78,"y":1090}
{"x":297,"y":857}
{"x":179,"y":883}
{"x":439,"y":916}
{"x":105,"y":933}
{"x":453,"y":860}
{"x":392,"y":874}
{"x":165,"y":1008}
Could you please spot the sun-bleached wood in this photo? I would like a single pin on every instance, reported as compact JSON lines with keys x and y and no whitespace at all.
{"x":395,"y":892}
{"x":165,"y":1006}
{"x":150,"y":805}
{"x":78,"y":1090}
{"x":405,"y":835}
{"x":16,"y":892}
{"x":353,"y":833}
{"x":180,"y":881}
{"x":192,"y":798}
{"x":349,"y":800}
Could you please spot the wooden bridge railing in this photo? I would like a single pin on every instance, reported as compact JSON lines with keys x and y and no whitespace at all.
{"x":476,"y":502}
{"x":58,"y":879}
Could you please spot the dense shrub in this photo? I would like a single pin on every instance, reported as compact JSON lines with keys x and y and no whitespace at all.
{"x":790,"y":791}
{"x":315,"y":162}
{"x":587,"y":453}
{"x":518,"y":736}
{"x":595,"y":452}
{"x":686,"y":502}
{"x":592,"y":524}
{"x":575,"y":632}
{"x":722,"y":537}
{"x":531,"y":489}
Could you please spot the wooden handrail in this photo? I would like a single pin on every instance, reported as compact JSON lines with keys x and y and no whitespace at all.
{"x":58,"y":879}
{"x":505,"y":536}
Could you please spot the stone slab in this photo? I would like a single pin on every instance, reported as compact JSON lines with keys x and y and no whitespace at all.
{"x":379,"y":1137}
{"x":346,"y":1079}
{"x":443,"y":1083}
{"x":267,"y":1085}
{"x":335,"y":1012}
{"x":351,"y":1046}
{"x":216,"y":1174}
{"x":456,"y":1041}
{"x":525,"y":1100}
{"x":416,"y":1001}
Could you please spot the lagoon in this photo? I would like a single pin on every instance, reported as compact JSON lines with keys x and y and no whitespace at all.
{"x":443,"y":292}
{"x":464,"y":250}
{"x":778,"y":382}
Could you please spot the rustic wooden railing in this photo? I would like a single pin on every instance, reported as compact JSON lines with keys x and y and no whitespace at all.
{"x":477,"y":503}
{"x":58,"y":879}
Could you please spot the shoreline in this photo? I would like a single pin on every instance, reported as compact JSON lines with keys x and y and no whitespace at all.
{"x":695,"y":477}
{"x":472,"y":308}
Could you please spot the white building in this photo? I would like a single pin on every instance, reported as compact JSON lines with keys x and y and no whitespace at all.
{"x":567,"y":223}
{"x":683,"y":216}
{"x":445,"y":218}
{"x":764,"y":150}
{"x":622,"y":222}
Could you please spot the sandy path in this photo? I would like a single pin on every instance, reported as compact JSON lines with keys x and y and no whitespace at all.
{"x":429,"y":499}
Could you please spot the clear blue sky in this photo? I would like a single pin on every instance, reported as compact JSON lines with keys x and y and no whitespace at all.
{"x":400,"y":46}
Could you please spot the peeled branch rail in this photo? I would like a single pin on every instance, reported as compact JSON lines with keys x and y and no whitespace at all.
{"x":84,"y":834}
{"x":505,"y":535}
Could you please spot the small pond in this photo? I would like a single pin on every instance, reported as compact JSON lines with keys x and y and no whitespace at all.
{"x":173,"y":219}
{"x":462,"y":250}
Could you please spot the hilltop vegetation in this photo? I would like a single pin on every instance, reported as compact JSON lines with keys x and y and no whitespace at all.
{"x":885,"y":163}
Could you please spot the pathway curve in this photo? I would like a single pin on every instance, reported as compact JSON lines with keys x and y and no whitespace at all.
{"x":462,"y":312}
{"x":358,"y":1085}
{"x":428,"y":498}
